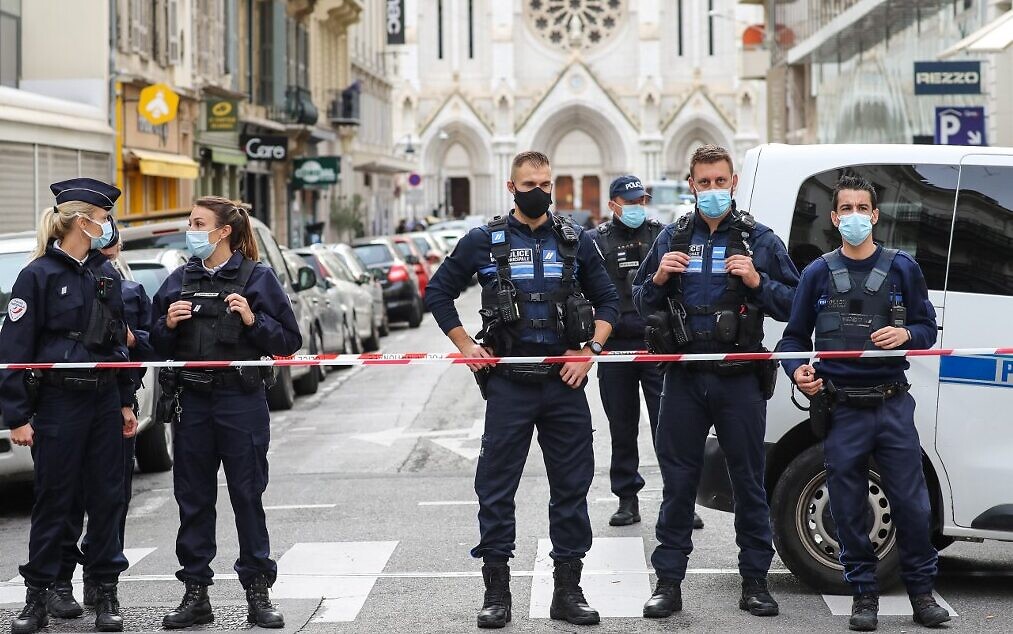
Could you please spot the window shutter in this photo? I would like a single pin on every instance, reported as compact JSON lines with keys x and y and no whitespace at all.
{"x":135,"y":25}
{"x":17,"y":181}
{"x":173,"y":32}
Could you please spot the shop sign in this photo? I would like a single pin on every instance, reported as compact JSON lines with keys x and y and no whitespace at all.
{"x":222,"y":115}
{"x":264,"y":147}
{"x":158,"y":104}
{"x":317,"y":171}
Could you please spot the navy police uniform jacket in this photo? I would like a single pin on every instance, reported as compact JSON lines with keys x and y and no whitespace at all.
{"x":815,"y":289}
{"x":137,"y":314}
{"x":275,"y":330}
{"x":609,"y":236}
{"x":52,"y":296}
{"x":535,"y":267}
{"x":705,"y":280}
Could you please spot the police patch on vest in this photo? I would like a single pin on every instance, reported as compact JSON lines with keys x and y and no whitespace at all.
{"x":520,"y":256}
{"x":696,"y":250}
{"x":17,"y":308}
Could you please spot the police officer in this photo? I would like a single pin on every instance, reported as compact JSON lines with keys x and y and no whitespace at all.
{"x":535,"y":270}
{"x":137,"y":314}
{"x":705,"y":288}
{"x":624,"y":241}
{"x":864,"y":296}
{"x":67,"y":306}
{"x":222,"y":305}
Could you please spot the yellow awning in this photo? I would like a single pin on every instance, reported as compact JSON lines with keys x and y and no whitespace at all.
{"x":166,"y":165}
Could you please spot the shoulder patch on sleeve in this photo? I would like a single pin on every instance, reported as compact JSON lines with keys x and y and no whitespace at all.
{"x":16,"y":309}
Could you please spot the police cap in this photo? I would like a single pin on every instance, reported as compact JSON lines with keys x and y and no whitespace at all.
{"x":86,"y":190}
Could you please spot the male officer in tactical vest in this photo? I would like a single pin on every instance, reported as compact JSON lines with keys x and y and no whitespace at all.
{"x":864,"y":296}
{"x":624,"y":242}
{"x":545,"y":291}
{"x":705,"y":288}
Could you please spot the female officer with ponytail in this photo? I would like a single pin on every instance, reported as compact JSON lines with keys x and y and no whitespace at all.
{"x":222,"y":305}
{"x":66,"y":306}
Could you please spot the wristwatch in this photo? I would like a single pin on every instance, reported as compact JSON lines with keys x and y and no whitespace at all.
{"x":595,"y":347}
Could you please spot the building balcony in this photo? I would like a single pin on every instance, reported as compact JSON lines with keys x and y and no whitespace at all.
{"x":299,"y":108}
{"x":344,"y":107}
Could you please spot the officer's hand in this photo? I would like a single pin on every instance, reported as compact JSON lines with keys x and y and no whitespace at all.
{"x":471,"y":350}
{"x":805,"y":379}
{"x":23,"y":436}
{"x":178,"y":311}
{"x":131,"y":340}
{"x":238,"y":304}
{"x":129,"y":422}
{"x":573,"y":373}
{"x":742,"y":265}
{"x":672,"y":263}
{"x":890,"y":337}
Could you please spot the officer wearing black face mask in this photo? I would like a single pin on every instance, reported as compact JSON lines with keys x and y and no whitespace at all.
{"x":537,"y":273}
{"x":624,"y":242}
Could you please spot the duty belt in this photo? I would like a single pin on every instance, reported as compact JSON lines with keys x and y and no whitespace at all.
{"x":210,"y":380}
{"x":870,"y":397}
{"x":720,"y":368}
{"x":78,"y":380}
{"x":527,"y":372}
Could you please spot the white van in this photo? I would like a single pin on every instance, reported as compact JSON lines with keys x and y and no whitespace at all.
{"x":951,"y":208}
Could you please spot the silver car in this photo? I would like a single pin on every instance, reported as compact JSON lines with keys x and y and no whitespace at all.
{"x":362,"y":276}
{"x":342,"y":288}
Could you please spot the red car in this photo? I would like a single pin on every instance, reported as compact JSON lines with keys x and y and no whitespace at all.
{"x":410,"y":252}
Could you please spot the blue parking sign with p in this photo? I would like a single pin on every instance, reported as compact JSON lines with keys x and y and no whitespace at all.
{"x":958,"y":125}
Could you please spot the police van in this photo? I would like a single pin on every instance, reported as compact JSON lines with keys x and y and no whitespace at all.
{"x":951,"y":208}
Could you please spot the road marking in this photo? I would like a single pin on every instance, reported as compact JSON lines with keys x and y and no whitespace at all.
{"x":451,"y":503}
{"x":14,"y":590}
{"x":305,"y":428}
{"x":388,"y":437}
{"x":343,"y":573}
{"x":147,"y":507}
{"x":286,"y":507}
{"x":892,"y":604}
{"x":614,"y":593}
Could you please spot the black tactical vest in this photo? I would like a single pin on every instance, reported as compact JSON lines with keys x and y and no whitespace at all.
{"x":623,"y":252}
{"x":213,"y":332}
{"x":855,"y":309}
{"x":106,"y":329}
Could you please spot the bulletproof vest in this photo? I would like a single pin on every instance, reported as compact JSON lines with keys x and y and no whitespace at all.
{"x":623,"y":255}
{"x":516,"y":308}
{"x":106,"y":329}
{"x":855,"y":309}
{"x":213,"y":332}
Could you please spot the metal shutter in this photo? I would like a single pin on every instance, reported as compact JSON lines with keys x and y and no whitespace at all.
{"x":18,"y":210}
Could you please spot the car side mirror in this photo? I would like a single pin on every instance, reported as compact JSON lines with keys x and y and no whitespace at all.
{"x":365,"y":278}
{"x":307,"y":278}
{"x":411,"y":259}
{"x":433,"y":257}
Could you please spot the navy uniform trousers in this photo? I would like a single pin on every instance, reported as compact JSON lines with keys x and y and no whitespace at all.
{"x":563,"y":419}
{"x":620,"y":385}
{"x":886,"y":433}
{"x":734,"y":406}
{"x":78,"y":439}
{"x":232,"y":429}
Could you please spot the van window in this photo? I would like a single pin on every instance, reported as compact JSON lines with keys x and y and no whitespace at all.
{"x":983,"y":233}
{"x":915,"y":214}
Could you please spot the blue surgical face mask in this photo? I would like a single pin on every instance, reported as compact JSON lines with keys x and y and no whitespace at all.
{"x":713,"y":203}
{"x":199,"y":243}
{"x":633,"y":215}
{"x":103,"y":240}
{"x":855,"y":228}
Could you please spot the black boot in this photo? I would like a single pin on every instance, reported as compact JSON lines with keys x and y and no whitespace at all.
{"x":34,"y":616}
{"x":107,"y":609}
{"x":697,"y":521}
{"x":568,"y":602}
{"x":261,"y":611}
{"x":927,"y":612}
{"x":194,"y":609}
{"x":864,"y":612}
{"x":90,"y":593}
{"x":495,"y":611}
{"x":666,"y":600}
{"x":757,"y":599}
{"x":628,"y":512}
{"x":60,"y":601}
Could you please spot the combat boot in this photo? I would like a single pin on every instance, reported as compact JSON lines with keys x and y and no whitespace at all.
{"x":261,"y":611}
{"x":194,"y":609}
{"x":60,"y":601}
{"x":756,"y":598}
{"x":628,"y":512}
{"x":864,"y":613}
{"x":666,"y":600}
{"x":495,"y":611}
{"x":107,"y":609}
{"x":568,"y":602}
{"x":925,"y":611}
{"x":90,"y":593}
{"x":34,"y":616}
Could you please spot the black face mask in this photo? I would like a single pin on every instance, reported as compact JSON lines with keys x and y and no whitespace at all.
{"x":533,"y":204}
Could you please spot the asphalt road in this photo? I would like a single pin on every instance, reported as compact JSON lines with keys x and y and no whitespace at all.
{"x":372,"y":513}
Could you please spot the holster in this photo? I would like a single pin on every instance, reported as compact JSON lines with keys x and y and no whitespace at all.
{"x":579,"y":321}
{"x":767,"y":371}
{"x":482,"y":378}
{"x":31,"y":380}
{"x":821,"y":409}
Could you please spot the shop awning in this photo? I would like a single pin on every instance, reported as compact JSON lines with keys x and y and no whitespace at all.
{"x":227,"y":156}
{"x":991,"y":38}
{"x":165,"y":164}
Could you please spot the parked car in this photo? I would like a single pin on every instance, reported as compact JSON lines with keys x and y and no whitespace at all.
{"x":172,"y":235}
{"x":342,"y":288}
{"x":362,"y":276}
{"x":950,"y":208}
{"x":429,"y":246}
{"x":449,"y":237}
{"x":411,"y":254}
{"x":154,"y":441}
{"x":151,"y":267}
{"x":398,"y":278}
{"x":459,"y":224}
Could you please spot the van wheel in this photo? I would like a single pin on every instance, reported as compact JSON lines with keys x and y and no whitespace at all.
{"x":154,"y":446}
{"x":415,"y":317}
{"x":282,"y":395}
{"x":805,"y":534}
{"x":310,"y":382}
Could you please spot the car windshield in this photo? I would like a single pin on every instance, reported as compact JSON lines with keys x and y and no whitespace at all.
{"x":352,"y":262}
{"x":373,"y":254}
{"x":151,"y":276}
{"x":404,"y":248}
{"x":174,"y":240}
{"x":422,"y":244}
{"x":10,"y":265}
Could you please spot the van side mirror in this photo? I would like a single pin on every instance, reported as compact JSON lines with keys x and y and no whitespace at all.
{"x":307,"y":278}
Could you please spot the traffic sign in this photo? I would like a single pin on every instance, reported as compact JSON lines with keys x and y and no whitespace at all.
{"x":414,"y":179}
{"x":960,"y":125}
{"x":158,"y":104}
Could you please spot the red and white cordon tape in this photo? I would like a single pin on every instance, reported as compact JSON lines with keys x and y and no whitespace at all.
{"x":455,"y":358}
